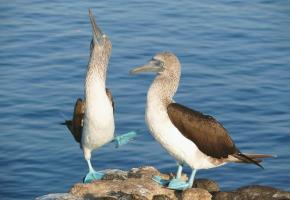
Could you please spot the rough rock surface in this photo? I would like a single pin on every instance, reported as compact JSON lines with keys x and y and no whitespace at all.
{"x":253,"y":192}
{"x":137,"y":184}
{"x":209,"y":185}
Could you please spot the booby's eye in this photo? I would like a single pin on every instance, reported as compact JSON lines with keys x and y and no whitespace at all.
{"x":157,"y":62}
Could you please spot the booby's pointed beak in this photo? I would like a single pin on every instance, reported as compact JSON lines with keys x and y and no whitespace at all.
{"x":153,"y":65}
{"x":97,"y":32}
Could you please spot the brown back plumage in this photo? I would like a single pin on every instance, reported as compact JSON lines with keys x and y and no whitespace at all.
{"x":208,"y":134}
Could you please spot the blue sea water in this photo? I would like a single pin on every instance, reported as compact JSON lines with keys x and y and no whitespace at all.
{"x":235,"y":59}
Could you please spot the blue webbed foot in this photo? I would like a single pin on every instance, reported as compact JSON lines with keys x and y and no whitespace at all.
{"x":93,"y":175}
{"x":177,"y":184}
{"x":160,"y":181}
{"x":124,"y":139}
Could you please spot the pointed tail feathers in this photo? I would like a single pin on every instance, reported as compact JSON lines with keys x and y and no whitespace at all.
{"x":259,"y":156}
{"x":251,"y":158}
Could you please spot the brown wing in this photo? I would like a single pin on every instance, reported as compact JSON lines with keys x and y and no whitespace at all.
{"x":76,"y":124}
{"x":109,"y":94}
{"x":208,"y":134}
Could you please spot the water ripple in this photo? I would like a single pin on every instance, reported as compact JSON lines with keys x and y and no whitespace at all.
{"x":235,"y":66}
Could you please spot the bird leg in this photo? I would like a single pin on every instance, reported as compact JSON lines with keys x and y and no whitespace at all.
{"x":179,"y":171}
{"x":92,"y":175}
{"x":191,"y":179}
{"x":124,"y":139}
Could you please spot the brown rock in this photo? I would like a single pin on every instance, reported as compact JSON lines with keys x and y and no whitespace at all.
{"x":115,"y":174}
{"x":254,"y":192}
{"x":137,"y":184}
{"x":146,"y":171}
{"x":223,"y":196}
{"x":209,"y":185}
{"x":196,"y":194}
{"x":262,"y":192}
{"x":149,"y":172}
{"x":161,"y":197}
{"x":132,"y":188}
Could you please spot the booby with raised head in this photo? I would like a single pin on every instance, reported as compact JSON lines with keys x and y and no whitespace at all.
{"x":93,"y":118}
{"x":191,"y":137}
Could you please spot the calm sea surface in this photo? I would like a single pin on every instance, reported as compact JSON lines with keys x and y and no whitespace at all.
{"x":235,"y":59}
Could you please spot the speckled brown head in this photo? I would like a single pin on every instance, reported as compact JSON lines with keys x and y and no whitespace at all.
{"x":100,"y":40}
{"x":167,"y":67}
{"x":164,"y":63}
{"x":100,"y":51}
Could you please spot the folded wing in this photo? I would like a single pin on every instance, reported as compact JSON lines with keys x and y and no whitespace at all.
{"x":76,"y":124}
{"x":207,"y":133}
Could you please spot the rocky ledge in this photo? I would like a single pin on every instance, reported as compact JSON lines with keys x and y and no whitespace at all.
{"x":137,"y":184}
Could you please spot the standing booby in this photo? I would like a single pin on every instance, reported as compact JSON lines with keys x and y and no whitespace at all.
{"x":93,"y":119}
{"x":191,"y":137}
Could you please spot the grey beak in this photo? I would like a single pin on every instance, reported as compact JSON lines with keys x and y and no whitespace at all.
{"x":152,"y":66}
{"x":97,"y":33}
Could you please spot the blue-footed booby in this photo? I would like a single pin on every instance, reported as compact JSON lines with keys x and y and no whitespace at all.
{"x":191,"y":137}
{"x":93,"y":118}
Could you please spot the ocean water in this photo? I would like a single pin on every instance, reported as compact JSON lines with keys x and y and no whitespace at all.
{"x":235,"y":59}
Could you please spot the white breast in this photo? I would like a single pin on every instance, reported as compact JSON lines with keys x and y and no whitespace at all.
{"x":178,"y":146}
{"x":98,"y":119}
